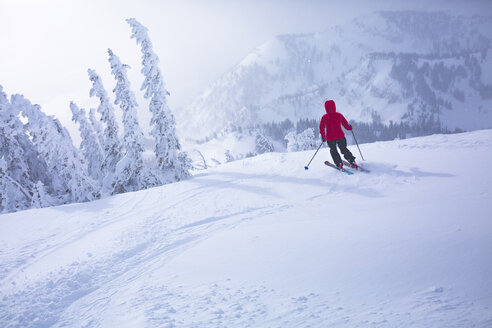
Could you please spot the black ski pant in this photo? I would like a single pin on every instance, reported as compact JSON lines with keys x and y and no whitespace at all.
{"x":342,"y":144}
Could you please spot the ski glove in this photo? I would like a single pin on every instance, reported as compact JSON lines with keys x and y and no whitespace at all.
{"x":351,"y":128}
{"x":323,"y":139}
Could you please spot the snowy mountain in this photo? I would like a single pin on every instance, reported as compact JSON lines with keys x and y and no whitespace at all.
{"x":425,"y":69}
{"x":263,"y":243}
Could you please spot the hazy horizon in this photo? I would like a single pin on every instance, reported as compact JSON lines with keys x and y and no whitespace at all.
{"x":48,"y":46}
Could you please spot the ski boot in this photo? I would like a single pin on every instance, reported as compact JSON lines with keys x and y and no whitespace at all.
{"x":354,"y":165}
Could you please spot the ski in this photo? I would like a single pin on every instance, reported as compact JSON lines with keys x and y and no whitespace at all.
{"x":337,"y":168}
{"x":358,"y":168}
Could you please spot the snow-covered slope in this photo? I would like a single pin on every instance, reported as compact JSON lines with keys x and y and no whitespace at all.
{"x":263,"y":243}
{"x":396,"y":66}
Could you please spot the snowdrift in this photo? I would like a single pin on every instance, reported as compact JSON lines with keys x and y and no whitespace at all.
{"x":263,"y":243}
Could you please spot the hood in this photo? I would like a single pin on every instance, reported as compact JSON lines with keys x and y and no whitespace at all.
{"x":330,"y":106}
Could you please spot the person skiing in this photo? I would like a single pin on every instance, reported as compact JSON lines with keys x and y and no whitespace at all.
{"x":331,"y":132}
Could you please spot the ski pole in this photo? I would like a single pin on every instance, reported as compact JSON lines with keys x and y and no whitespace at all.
{"x":357,"y":143}
{"x":307,"y":166}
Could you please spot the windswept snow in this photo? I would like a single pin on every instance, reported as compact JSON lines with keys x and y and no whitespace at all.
{"x":263,"y":243}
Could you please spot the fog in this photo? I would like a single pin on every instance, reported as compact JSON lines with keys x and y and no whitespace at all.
{"x":47,"y":46}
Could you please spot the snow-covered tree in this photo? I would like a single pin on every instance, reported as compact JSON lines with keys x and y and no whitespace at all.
{"x":97,"y":127}
{"x":5,"y":204}
{"x":263,"y":144}
{"x":111,"y":144}
{"x":228,"y":156}
{"x":302,"y":141}
{"x":185,"y":165}
{"x":13,"y":196}
{"x":198,"y":160}
{"x":15,"y":151}
{"x":3,"y":186}
{"x":40,"y":198}
{"x":130,"y":173}
{"x":68,"y":173}
{"x":89,"y":146}
{"x":173,"y":163}
{"x":11,"y":129}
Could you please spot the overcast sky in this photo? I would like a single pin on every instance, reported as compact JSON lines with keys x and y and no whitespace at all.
{"x":47,"y":46}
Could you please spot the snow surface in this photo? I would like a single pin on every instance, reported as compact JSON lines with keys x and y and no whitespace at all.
{"x":263,"y":243}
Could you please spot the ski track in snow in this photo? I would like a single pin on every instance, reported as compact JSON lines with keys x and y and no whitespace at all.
{"x":107,"y":263}
{"x":149,"y":240}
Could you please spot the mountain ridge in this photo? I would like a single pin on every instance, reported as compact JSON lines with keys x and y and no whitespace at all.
{"x":290,"y":76}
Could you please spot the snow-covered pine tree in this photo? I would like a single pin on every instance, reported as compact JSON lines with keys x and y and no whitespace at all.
{"x":112,"y":144}
{"x":5,"y":203}
{"x":90,"y":147}
{"x":228,"y":156}
{"x":97,"y":127}
{"x":3,"y":185}
{"x":68,"y":172}
{"x":291,"y":141}
{"x":13,"y":195}
{"x":306,"y":139}
{"x":173,"y":163}
{"x":130,"y":173}
{"x":302,"y":141}
{"x":263,"y":144}
{"x":39,"y":196}
{"x":13,"y":143}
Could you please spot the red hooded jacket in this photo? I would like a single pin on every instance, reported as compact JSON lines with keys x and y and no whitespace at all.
{"x":329,"y":127}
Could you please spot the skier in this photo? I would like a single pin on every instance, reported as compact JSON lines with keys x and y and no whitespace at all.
{"x":331,"y":131}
